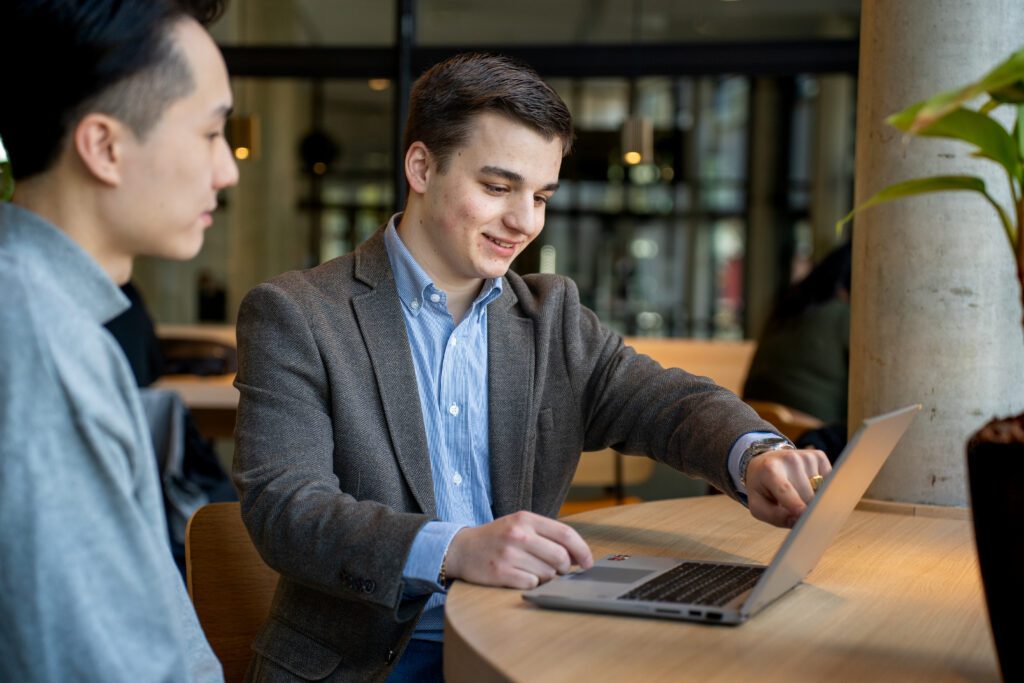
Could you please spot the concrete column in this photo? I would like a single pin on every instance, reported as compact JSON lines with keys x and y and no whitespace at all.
{"x":830,"y":183}
{"x":936,"y":309}
{"x":831,"y":186}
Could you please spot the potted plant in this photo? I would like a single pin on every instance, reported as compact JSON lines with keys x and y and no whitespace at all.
{"x":995,"y":454}
{"x":6,"y":179}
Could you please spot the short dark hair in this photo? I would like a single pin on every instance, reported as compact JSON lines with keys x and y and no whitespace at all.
{"x":447,"y":96}
{"x":110,"y":56}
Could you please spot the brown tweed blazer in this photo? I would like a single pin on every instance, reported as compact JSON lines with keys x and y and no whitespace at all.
{"x":331,"y":460}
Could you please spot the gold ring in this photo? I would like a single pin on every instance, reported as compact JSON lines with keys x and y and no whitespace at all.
{"x":816,"y":481}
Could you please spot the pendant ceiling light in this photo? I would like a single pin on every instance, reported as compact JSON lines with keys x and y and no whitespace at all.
{"x":637,"y":130}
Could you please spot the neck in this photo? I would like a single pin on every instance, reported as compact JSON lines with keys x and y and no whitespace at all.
{"x":461,"y":292}
{"x":74,"y":211}
{"x":459,"y":303}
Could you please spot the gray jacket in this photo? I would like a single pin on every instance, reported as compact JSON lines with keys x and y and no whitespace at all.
{"x":332,"y":463}
{"x":88,"y":588}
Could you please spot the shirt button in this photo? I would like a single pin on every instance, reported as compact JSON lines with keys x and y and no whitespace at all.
{"x":415,"y":304}
{"x":453,"y":340}
{"x":453,"y":409}
{"x":457,"y":479}
{"x":435,"y":297}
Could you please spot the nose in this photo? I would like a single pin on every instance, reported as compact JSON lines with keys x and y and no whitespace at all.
{"x":225,"y":171}
{"x":524,"y":216}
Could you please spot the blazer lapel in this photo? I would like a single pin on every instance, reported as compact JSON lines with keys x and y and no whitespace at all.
{"x":383,"y":327}
{"x":510,"y":373}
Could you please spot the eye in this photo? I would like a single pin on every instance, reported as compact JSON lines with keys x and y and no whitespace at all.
{"x":217,"y":131}
{"x":495,"y":189}
{"x":540,"y":200}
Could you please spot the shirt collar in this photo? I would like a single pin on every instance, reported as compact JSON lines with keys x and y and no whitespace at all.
{"x":413,"y":283}
{"x":45,"y":249}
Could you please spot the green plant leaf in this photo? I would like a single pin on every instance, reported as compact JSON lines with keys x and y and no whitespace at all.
{"x":999,"y":78}
{"x":1018,"y":132}
{"x":917,"y":186}
{"x":6,"y":182}
{"x":991,"y":139}
{"x":1010,"y":94}
{"x":988,"y":106}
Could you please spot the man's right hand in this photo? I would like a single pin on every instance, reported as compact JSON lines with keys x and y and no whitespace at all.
{"x":521,"y":550}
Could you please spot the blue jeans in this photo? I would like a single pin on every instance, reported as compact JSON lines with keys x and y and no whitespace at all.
{"x":422,"y":662}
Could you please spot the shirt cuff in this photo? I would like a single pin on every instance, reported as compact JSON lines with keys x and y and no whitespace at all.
{"x":424,"y":562}
{"x":736,"y":453}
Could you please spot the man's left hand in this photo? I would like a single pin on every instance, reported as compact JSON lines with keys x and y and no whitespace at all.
{"x":779,"y":483}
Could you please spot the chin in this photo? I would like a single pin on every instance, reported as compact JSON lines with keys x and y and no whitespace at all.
{"x":492,"y":273}
{"x":492,"y":268}
{"x":184,"y":251}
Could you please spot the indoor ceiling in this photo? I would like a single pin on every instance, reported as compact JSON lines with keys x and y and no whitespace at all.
{"x":480,"y":22}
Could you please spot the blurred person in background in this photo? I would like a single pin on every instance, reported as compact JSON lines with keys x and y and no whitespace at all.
{"x":803,"y":356}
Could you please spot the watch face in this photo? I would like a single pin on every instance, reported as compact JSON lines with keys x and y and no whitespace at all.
{"x":762,"y":445}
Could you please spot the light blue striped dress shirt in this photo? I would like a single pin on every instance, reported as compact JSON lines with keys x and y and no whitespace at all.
{"x":451,"y":372}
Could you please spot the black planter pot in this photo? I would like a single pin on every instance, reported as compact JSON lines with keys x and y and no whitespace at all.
{"x":995,"y":470}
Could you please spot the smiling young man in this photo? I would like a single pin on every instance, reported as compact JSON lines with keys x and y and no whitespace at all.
{"x":413,"y":412}
{"x":114,"y":138}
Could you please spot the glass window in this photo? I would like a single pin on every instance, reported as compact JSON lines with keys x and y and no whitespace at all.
{"x":475,"y":22}
{"x":656,"y":248}
{"x":353,"y":23}
{"x":317,"y":183}
{"x":722,"y":142}
{"x":802,"y":135}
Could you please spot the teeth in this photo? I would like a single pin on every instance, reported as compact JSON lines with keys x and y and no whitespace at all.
{"x":507,"y":245}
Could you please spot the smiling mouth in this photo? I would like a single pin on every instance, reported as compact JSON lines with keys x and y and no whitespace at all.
{"x":505,"y":245}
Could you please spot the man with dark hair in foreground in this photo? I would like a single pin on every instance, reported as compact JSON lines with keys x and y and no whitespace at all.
{"x":115,"y":141}
{"x":413,"y":412}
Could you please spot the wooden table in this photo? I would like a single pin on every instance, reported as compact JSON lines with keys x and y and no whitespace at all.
{"x":212,"y":400}
{"x":897,"y":597}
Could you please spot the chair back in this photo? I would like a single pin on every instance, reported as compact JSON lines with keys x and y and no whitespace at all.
{"x":230,"y":584}
{"x":725,"y":361}
{"x":790,"y":421}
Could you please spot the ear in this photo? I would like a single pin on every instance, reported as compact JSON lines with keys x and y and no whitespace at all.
{"x":99,"y":142}
{"x":419,"y":166}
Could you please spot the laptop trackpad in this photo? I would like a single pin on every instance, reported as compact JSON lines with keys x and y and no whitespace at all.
{"x":612,"y":574}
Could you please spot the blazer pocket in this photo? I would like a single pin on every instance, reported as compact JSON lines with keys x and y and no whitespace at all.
{"x":294,"y":651}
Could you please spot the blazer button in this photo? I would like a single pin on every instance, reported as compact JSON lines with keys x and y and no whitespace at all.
{"x":369,"y":586}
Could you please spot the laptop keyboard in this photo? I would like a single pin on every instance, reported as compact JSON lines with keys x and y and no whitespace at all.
{"x":698,"y":583}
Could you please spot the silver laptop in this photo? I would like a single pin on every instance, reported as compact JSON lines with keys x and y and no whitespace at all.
{"x":730,"y":593}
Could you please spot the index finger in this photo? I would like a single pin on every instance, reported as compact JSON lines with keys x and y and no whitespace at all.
{"x":785,"y":494}
{"x":567,"y":537}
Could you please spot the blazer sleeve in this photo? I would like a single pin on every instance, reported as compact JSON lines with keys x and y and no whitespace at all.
{"x":629,"y":402}
{"x":300,"y":520}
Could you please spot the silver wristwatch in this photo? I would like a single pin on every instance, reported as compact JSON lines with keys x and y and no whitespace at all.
{"x":757,"y":447}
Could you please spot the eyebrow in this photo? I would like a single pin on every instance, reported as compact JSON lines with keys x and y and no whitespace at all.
{"x":514,"y":177}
